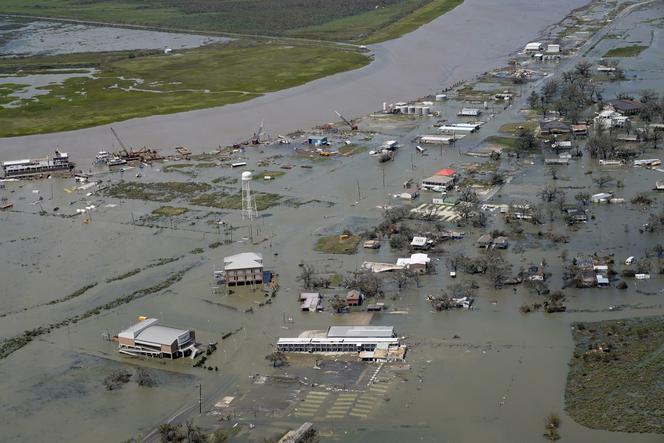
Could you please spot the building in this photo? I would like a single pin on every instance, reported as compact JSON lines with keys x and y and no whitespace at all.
{"x":421,"y":243}
{"x":625,"y":107}
{"x":151,"y":339}
{"x":243,"y":269}
{"x":27,"y":167}
{"x":341,"y":339}
{"x":438,"y":139}
{"x":416,"y":263}
{"x":354,"y":298}
{"x":533,"y":47}
{"x":580,"y":130}
{"x":554,"y":127}
{"x":469,"y":112}
{"x":317,"y":140}
{"x":553,"y":49}
{"x":299,"y":435}
{"x":371,"y":244}
{"x":446,"y":172}
{"x":484,"y":241}
{"x":410,"y":194}
{"x":438,"y":182}
{"x":609,"y":118}
{"x":310,"y":302}
{"x":500,"y":242}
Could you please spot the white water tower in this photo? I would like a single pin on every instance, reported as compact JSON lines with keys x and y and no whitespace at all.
{"x":248,"y":201}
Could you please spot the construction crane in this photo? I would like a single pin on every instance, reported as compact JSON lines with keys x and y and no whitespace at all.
{"x":257,"y":135}
{"x":117,"y":137}
{"x":353,"y":127}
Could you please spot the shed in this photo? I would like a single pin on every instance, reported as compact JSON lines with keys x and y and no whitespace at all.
{"x":500,"y":242}
{"x":484,"y":241}
{"x":533,"y":47}
{"x":553,"y":49}
{"x":602,"y":281}
{"x":470,"y":112}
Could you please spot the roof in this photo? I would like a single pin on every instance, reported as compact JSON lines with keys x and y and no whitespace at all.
{"x":160,"y":334}
{"x":360,"y":331}
{"x":554,"y":124}
{"x":446,"y":172}
{"x":625,"y":105}
{"x":418,"y":241}
{"x":244,"y":260}
{"x":532,"y":46}
{"x":438,"y":180}
{"x":133,"y":331}
{"x":353,"y":294}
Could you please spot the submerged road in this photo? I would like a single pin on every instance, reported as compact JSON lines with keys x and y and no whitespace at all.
{"x":475,"y":37}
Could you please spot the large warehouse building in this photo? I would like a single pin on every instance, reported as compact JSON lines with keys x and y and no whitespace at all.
{"x":151,"y":339}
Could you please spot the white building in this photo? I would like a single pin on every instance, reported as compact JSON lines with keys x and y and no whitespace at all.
{"x":242,"y":269}
{"x":533,"y":47}
{"x":151,"y":339}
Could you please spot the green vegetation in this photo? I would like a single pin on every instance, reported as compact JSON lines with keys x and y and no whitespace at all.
{"x":160,"y":192}
{"x":508,"y":142}
{"x":338,"y":20}
{"x":614,"y":381}
{"x":169,"y":211}
{"x":194,"y":79}
{"x":125,"y":275}
{"x":222,"y":200}
{"x":273,"y":174}
{"x":180,"y":166}
{"x":76,"y":293}
{"x":338,"y":244}
{"x":413,"y":21}
{"x":626,"y":51}
{"x":349,"y":150}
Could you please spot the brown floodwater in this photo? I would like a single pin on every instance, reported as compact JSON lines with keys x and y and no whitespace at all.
{"x":496,"y":382}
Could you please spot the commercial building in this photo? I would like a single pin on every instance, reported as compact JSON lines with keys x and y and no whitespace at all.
{"x":436,"y":182}
{"x":242,"y":269}
{"x":469,"y":112}
{"x":27,"y":167}
{"x":151,"y":339}
{"x":342,"y":339}
{"x":310,"y":302}
{"x":533,"y":47}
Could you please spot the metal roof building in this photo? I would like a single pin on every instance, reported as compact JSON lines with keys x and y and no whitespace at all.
{"x":360,"y":331}
{"x":149,"y":338}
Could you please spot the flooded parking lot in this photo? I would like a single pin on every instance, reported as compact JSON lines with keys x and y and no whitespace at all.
{"x":490,"y":373}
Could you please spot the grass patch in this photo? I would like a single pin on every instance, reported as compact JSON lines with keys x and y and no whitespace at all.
{"x":614,"y":381}
{"x":221,"y":200}
{"x":414,"y":20}
{"x":511,"y":128}
{"x":349,"y":150}
{"x":169,"y":211}
{"x":335,"y":244}
{"x":508,"y":142}
{"x":180,"y":166}
{"x":626,"y":51}
{"x":75,"y":294}
{"x":159,"y":192}
{"x":272,"y":174}
{"x":194,"y":79}
{"x":125,"y":275}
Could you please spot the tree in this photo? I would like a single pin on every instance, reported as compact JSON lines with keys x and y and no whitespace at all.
{"x":169,"y":433}
{"x":525,"y":140}
{"x":603,"y":180}
{"x":648,"y":96}
{"x":549,"y":193}
{"x":583,"y":69}
{"x":534,"y":100}
{"x":583,"y":198}
{"x":144,"y":378}
{"x":194,"y":433}
{"x":551,"y":425}
{"x":468,"y":194}
{"x":401,"y":278}
{"x":338,"y":304}
{"x":116,"y":379}
{"x":307,"y":273}
{"x":277,"y":358}
{"x":497,"y":268}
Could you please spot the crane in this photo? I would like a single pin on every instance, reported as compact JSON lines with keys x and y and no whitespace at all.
{"x":117,"y":137}
{"x":257,"y":135}
{"x":353,"y":127}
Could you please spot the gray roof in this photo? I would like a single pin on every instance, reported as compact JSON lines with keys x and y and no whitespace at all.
{"x":160,"y":334}
{"x":439,"y":179}
{"x":360,"y":331}
{"x":244,"y":260}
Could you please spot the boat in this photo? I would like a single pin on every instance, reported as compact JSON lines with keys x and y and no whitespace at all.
{"x":102,"y":157}
{"x":5,"y":206}
{"x":116,"y":161}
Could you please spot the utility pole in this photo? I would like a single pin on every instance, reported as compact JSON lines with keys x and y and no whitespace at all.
{"x":359,"y":196}
{"x":200,"y":398}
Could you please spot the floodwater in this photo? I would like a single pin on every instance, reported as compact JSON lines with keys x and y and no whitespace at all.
{"x":28,"y":38}
{"x":496,"y":382}
{"x":473,"y":38}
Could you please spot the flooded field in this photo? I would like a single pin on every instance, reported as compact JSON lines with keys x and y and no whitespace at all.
{"x":69,"y":257}
{"x":19,"y":37}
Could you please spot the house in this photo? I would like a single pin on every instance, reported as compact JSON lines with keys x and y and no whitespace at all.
{"x":242,"y":269}
{"x":446,"y":172}
{"x":484,"y":241}
{"x":410,"y":194}
{"x":500,"y":242}
{"x":625,"y":107}
{"x":533,"y":47}
{"x":602,"y":281}
{"x":416,"y":262}
{"x":317,"y":140}
{"x":609,"y":118}
{"x":565,"y":144}
{"x":586,"y":279}
{"x":371,"y":244}
{"x":600,"y":265}
{"x":310,"y":302}
{"x":554,"y":127}
{"x":149,"y":338}
{"x":553,"y":49}
{"x":576,"y":215}
{"x":469,"y":112}
{"x":602,"y":197}
{"x":580,"y":130}
{"x":536,"y":273}
{"x":422,"y":243}
{"x":438,"y":183}
{"x":354,"y":298}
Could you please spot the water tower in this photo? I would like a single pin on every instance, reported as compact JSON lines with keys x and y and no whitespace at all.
{"x":248,"y":201}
